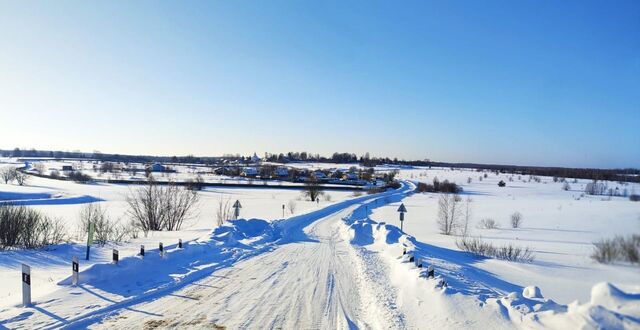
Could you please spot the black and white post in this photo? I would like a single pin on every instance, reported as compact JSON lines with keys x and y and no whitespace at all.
{"x":402,"y":210}
{"x":26,"y":285}
{"x":115,"y":256}
{"x":142,"y":250}
{"x":75,"y":267}
{"x":179,"y":243}
{"x":236,"y":213}
{"x":282,"y":211}
{"x":161,"y":249}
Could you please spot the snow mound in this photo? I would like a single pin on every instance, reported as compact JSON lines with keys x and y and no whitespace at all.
{"x":607,"y":295}
{"x":532,"y":292}
{"x":365,"y":232}
{"x":232,"y":233}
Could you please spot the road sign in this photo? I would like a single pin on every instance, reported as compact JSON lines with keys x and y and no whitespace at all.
{"x":402,"y":211}
{"x":75,"y":267}
{"x":26,"y":285}
{"x":237,"y":206}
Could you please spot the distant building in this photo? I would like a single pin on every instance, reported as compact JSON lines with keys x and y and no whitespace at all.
{"x":319,"y":175}
{"x":351,"y":176}
{"x":282,"y":172}
{"x":250,"y":172}
{"x":68,"y":168}
{"x":157,"y":167}
{"x":255,"y":158}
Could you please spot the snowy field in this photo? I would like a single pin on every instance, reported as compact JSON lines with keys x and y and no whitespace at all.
{"x":335,"y":264}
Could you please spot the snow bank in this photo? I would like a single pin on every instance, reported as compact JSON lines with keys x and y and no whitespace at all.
{"x":457,"y":278}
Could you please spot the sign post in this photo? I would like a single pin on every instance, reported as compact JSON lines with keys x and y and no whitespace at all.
{"x":116,"y":256}
{"x":161,"y":248}
{"x":237,"y":208}
{"x":283,"y":211}
{"x":26,"y":285}
{"x":142,"y":250}
{"x":75,"y":267}
{"x":402,"y":210}
{"x":180,"y":243}
{"x":90,"y":238}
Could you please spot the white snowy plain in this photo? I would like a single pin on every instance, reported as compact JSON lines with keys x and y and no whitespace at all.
{"x":334,"y":265}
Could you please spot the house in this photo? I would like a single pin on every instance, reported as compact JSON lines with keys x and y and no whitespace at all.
{"x":255,"y":158}
{"x":319,"y":175}
{"x":250,"y":172}
{"x":351,"y":176}
{"x":67,"y":168}
{"x":157,"y":167}
{"x":282,"y":172}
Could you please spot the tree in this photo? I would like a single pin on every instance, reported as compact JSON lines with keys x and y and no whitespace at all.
{"x":448,"y":213}
{"x":516,"y":220}
{"x":154,"y":207}
{"x":566,"y":186}
{"x":467,"y":216}
{"x":20,"y":177}
{"x":40,"y":168}
{"x":7,"y":174}
{"x":292,"y":206}
{"x":312,"y":189}
{"x":224,"y":212}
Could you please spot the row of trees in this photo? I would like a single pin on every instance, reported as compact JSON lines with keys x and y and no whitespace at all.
{"x":11,"y":174}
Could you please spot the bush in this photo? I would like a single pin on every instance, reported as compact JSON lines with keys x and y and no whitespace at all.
{"x":507,"y":252}
{"x":104,"y":228}
{"x":153,"y":207}
{"x":501,"y":184}
{"x":23,"y":227}
{"x":437,"y":186}
{"x":619,"y":248}
{"x":78,"y":176}
{"x":634,"y":198}
{"x":488,"y":224}
{"x":516,"y":220}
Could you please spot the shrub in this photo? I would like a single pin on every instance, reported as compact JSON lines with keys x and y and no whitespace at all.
{"x":292,"y":206}
{"x":449,"y":212}
{"x":155,"y":207}
{"x":501,"y":184}
{"x":634,"y":198}
{"x":23,"y":227}
{"x":224,"y":212}
{"x":507,"y":252}
{"x":488,"y":224}
{"x":566,"y":186}
{"x":78,"y":176}
{"x":104,"y":228}
{"x":516,"y":220}
{"x":619,"y":248}
{"x":437,"y":186}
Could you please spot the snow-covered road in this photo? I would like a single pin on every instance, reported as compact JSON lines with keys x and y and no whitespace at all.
{"x":312,"y":283}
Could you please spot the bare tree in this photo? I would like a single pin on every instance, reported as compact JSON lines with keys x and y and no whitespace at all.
{"x":155,"y":207}
{"x":224,"y":212}
{"x":7,"y":174}
{"x":40,"y":168}
{"x":312,"y":189}
{"x":466,"y":216}
{"x":516,"y":220}
{"x":566,"y":186}
{"x":448,"y":213}
{"x":20,"y":177}
{"x":292,"y":206}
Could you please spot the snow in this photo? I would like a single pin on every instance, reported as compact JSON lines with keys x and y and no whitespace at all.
{"x":336,"y":264}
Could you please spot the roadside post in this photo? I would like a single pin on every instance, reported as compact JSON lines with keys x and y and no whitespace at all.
{"x":402,"y":210}
{"x":283,"y":211}
{"x":161,"y":249}
{"x":90,"y":238}
{"x":237,"y":206}
{"x":26,"y":285}
{"x":142,"y":250}
{"x":75,"y":267}
{"x":179,"y":243}
{"x":115,"y":256}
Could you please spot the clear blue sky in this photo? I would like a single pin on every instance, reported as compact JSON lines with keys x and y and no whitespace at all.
{"x":518,"y":82}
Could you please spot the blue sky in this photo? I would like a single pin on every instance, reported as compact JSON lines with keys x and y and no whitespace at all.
{"x":517,"y":82}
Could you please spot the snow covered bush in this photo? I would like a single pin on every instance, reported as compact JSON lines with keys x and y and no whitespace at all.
{"x":224,"y":212}
{"x":516,"y":220}
{"x":23,"y":227}
{"x":20,"y":178}
{"x":292,"y":206}
{"x":634,"y":198}
{"x":595,"y":188}
{"x":488,"y":224}
{"x":566,"y":186}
